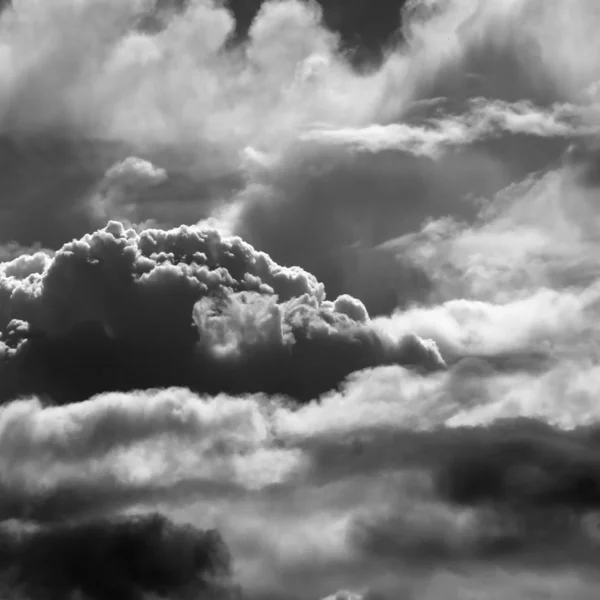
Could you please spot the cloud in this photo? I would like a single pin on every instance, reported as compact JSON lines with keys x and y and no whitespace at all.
{"x":99,"y":86}
{"x":322,"y":206}
{"x":357,"y":188}
{"x":541,"y":230}
{"x":511,"y":120}
{"x":489,"y":585}
{"x":158,"y":94}
{"x":503,"y":50}
{"x":384,"y":470}
{"x":118,"y":449}
{"x":157,"y":71}
{"x":126,"y":558}
{"x":120,"y":310}
{"x":386,"y":457}
{"x":122,"y":182}
{"x":345,"y":316}
{"x":482,"y":119}
{"x":112,"y":88}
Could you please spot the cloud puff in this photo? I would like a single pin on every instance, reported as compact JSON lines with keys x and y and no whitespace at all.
{"x":122,"y":183}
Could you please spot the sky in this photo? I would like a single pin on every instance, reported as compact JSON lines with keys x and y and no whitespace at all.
{"x":299,"y":301}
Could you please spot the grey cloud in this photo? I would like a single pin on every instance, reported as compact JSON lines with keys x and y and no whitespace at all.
{"x":124,"y":558}
{"x":356,"y":189}
{"x":401,"y":190}
{"x":348,"y":200}
{"x":115,"y":310}
{"x":497,"y":50}
{"x":345,"y":460}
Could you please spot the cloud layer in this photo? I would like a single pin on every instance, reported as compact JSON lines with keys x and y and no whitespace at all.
{"x":290,"y":311}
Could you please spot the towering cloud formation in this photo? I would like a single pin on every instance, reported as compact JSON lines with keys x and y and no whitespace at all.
{"x":119,"y":310}
{"x":288,"y":312}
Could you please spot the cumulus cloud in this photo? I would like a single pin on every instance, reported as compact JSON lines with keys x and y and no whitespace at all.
{"x":122,"y":310}
{"x":122,"y":183}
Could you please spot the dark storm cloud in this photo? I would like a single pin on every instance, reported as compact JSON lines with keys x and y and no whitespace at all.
{"x":119,"y":310}
{"x":524,"y":464}
{"x":518,"y":464}
{"x":126,"y":558}
{"x":519,"y":493}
